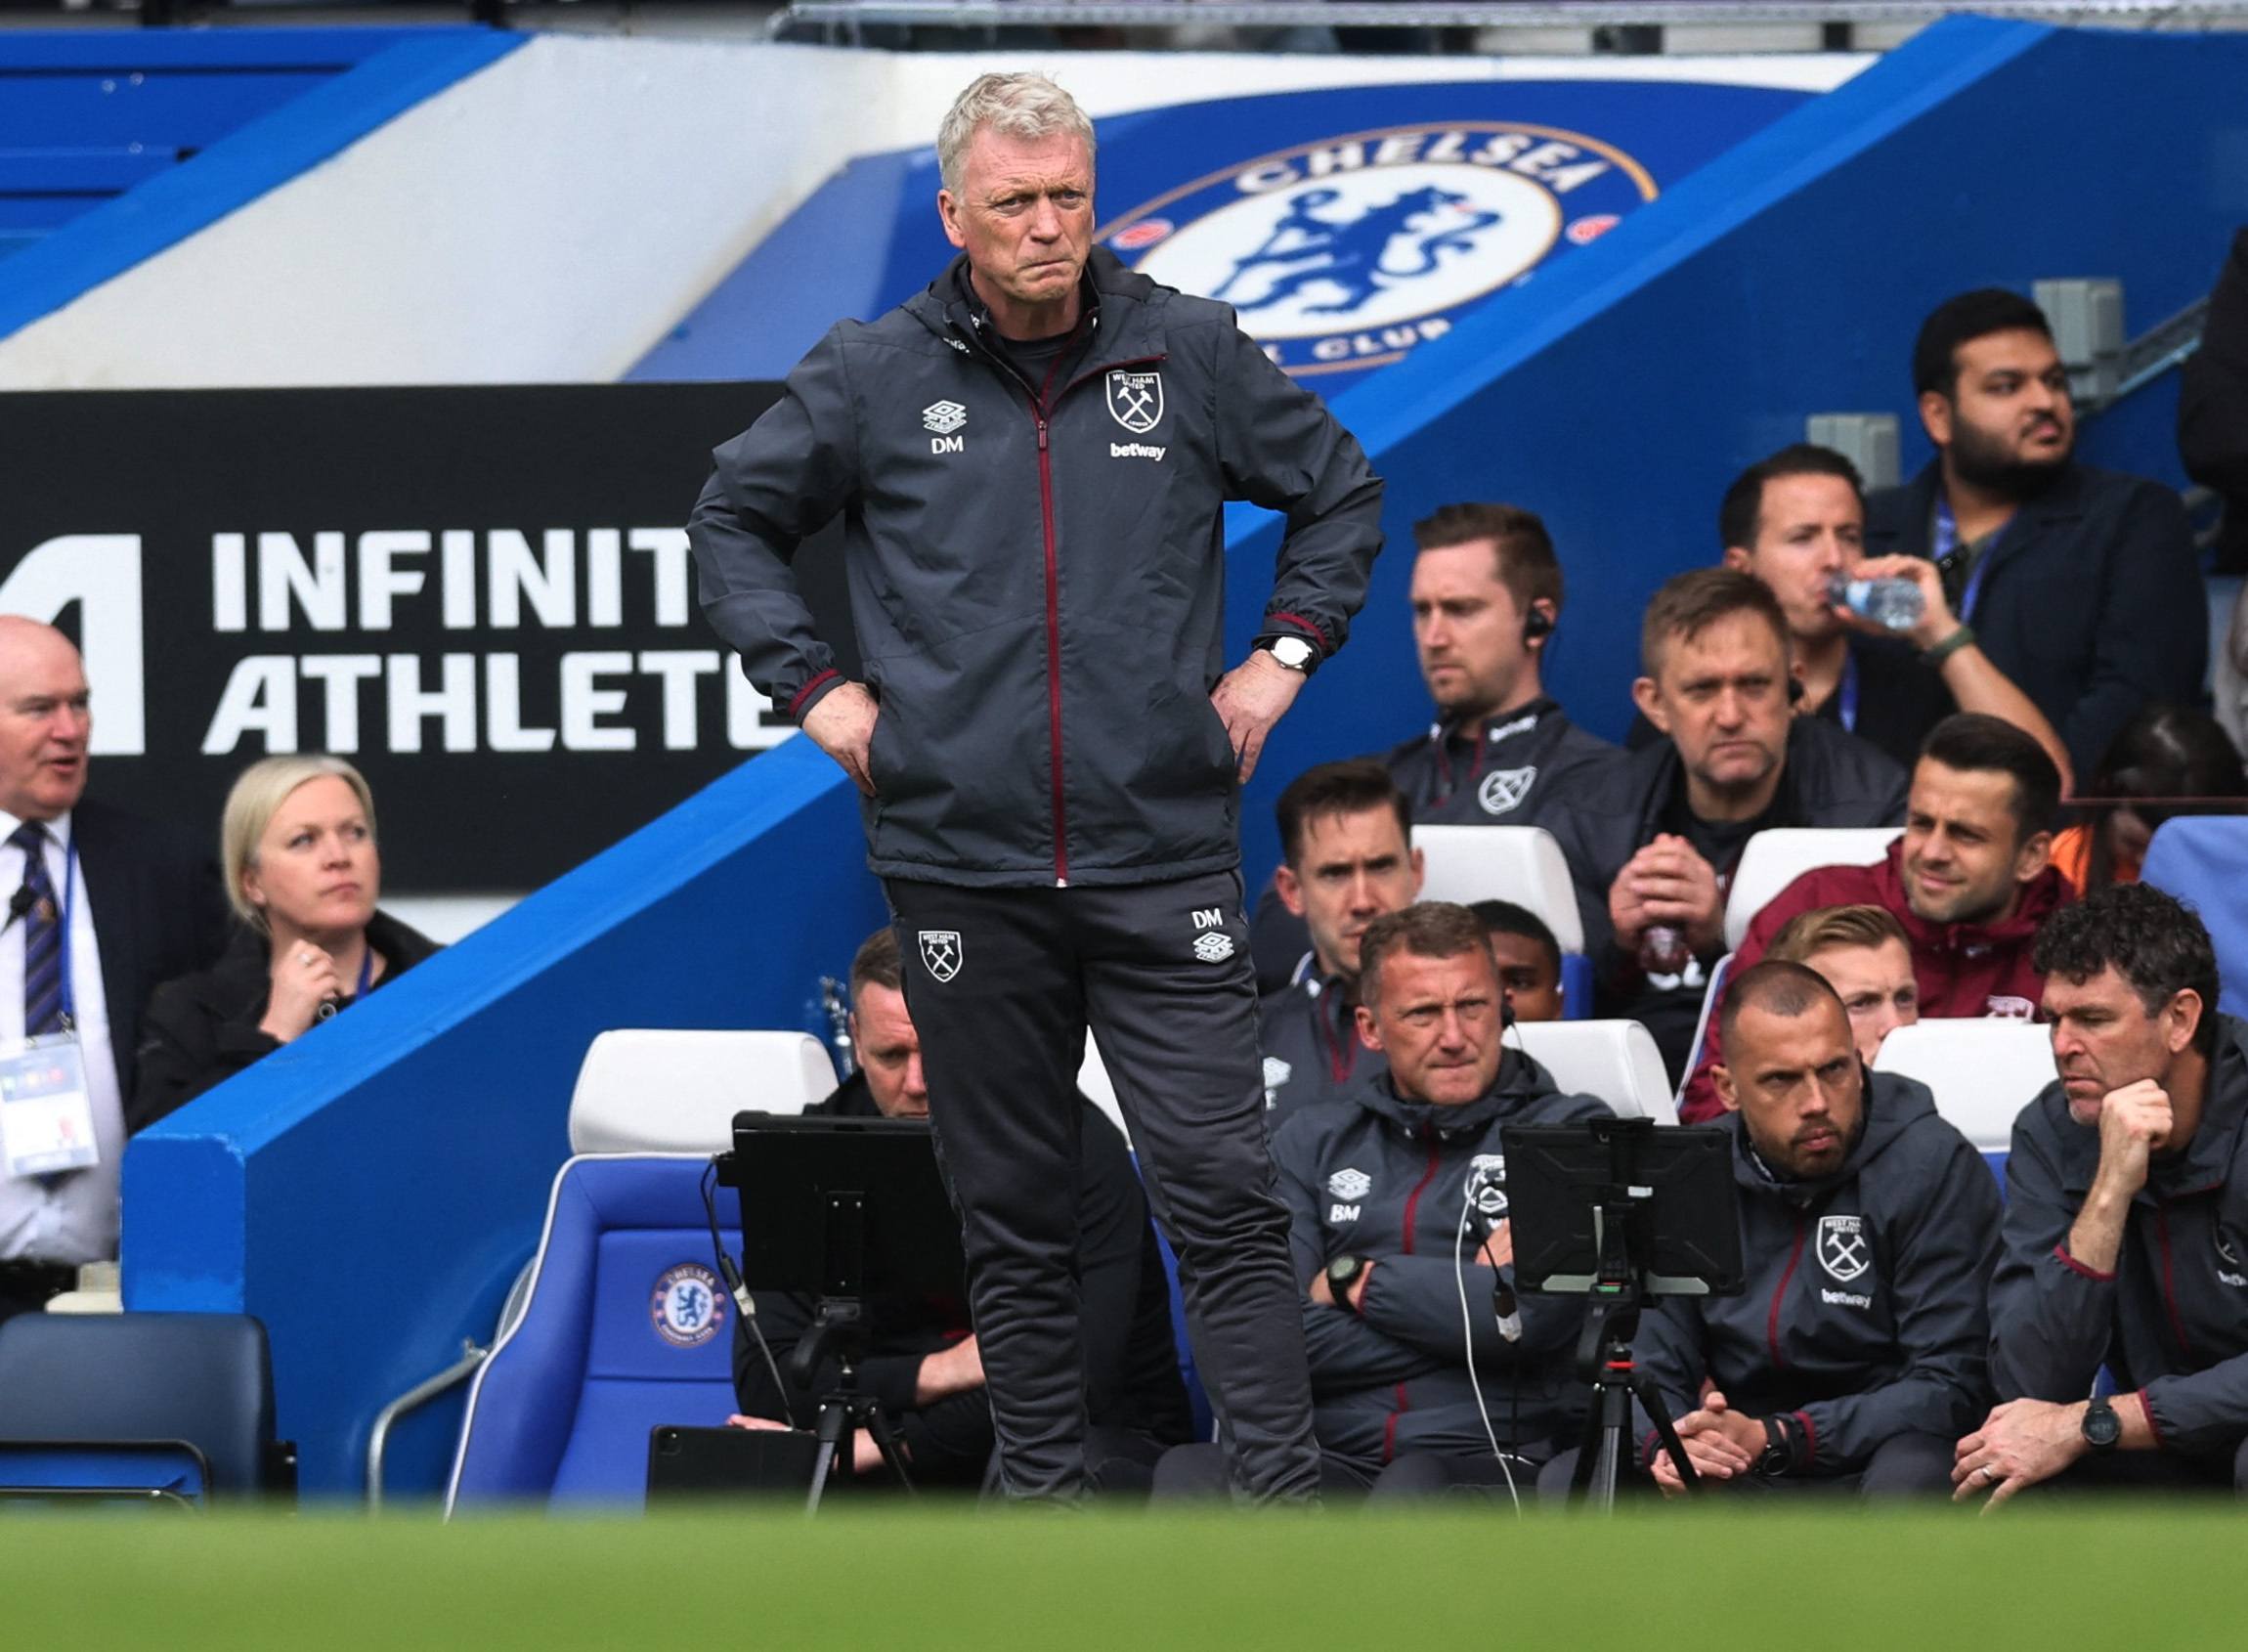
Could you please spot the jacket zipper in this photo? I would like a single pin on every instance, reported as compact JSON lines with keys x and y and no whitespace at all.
{"x":2169,"y":1283}
{"x":1772,"y":1322}
{"x":1053,"y":650}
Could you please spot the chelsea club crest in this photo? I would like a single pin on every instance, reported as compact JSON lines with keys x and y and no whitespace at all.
{"x":1343,"y":254}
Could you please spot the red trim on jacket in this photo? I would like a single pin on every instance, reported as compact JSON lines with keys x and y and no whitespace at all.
{"x":2075,"y":1266}
{"x":807,"y":689}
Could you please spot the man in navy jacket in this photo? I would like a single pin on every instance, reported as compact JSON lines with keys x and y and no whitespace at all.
{"x":2081,"y":585}
{"x":2127,"y":1219}
{"x":1869,"y":1227}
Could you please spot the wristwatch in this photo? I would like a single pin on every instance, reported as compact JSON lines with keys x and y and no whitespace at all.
{"x":1292,"y":652}
{"x":2103,"y":1428}
{"x":1779,"y":1454}
{"x":1342,"y":1274}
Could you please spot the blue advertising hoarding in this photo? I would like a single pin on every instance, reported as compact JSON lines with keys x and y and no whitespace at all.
{"x":1345,"y":225}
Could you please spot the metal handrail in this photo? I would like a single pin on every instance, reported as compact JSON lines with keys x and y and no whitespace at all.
{"x":379,"y":1437}
{"x":1475,"y":14}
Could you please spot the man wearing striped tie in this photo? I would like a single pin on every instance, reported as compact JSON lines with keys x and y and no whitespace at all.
{"x":105,"y":906}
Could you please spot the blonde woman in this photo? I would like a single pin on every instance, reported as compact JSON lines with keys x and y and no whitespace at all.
{"x":297,"y":843}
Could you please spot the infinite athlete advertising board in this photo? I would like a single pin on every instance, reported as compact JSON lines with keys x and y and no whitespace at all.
{"x":1345,"y":227}
{"x":483,"y":596}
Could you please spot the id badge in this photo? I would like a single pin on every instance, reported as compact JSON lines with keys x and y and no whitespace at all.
{"x":46,"y":1119}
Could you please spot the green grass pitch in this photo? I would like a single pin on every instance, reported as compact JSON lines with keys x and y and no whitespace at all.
{"x":2128,"y":1577}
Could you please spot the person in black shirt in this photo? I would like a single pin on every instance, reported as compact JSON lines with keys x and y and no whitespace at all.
{"x":924,"y":1365}
{"x":1653,"y":848}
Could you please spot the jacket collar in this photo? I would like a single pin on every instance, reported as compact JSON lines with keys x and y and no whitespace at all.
{"x":1521,"y":1081}
{"x":2208,"y":1159}
{"x":1893,"y":1105}
{"x":2039,"y":899}
{"x":1123,"y":311}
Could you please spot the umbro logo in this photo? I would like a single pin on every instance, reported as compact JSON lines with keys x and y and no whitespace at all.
{"x":1349,"y":1182}
{"x":943,"y":417}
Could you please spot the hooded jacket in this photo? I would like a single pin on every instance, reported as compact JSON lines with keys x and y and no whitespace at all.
{"x":1037,"y":571}
{"x":1828,"y":779}
{"x":2092,"y":603}
{"x":1864,"y":1314}
{"x":2172,"y":1321}
{"x":1308,"y":1033}
{"x":1371,"y":1174}
{"x":1962,"y":970}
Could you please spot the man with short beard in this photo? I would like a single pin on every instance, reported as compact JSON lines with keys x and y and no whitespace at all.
{"x":1969,"y":882}
{"x":2081,"y":585}
{"x":1869,"y":1228}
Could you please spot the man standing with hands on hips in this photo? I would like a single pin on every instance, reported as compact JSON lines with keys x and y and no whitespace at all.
{"x":1031,"y":458}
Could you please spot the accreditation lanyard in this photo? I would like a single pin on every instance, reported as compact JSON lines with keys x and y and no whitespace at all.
{"x":1947,"y":538}
{"x":46,"y":1112}
{"x":328,"y":1008}
{"x":1846,"y":696}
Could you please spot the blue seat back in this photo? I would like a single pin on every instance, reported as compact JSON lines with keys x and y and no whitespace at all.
{"x":205,"y":1379}
{"x":626,"y":1328}
{"x":2203,"y":860}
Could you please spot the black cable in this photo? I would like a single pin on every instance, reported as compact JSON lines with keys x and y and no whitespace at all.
{"x":743,"y":1300}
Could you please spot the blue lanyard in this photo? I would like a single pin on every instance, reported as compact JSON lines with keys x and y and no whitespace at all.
{"x":365,"y":969}
{"x":70,"y":900}
{"x":1846,"y":696}
{"x":1947,"y":538}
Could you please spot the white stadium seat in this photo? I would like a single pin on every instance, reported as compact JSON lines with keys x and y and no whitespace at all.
{"x":1518,"y":863}
{"x":1775,"y":859}
{"x":1984,"y":1072}
{"x":672,"y":1090}
{"x":1092,"y":1079}
{"x":1615,"y":1061}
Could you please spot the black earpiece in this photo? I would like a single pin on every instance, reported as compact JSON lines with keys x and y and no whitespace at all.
{"x":1794,"y":688}
{"x":1539,"y":623}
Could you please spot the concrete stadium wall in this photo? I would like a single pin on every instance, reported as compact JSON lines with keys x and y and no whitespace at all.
{"x":549,"y":218}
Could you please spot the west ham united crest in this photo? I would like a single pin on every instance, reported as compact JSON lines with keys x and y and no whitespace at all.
{"x":1842,"y":1248}
{"x":941,"y":953}
{"x":1135,"y":400}
{"x":1344,"y":253}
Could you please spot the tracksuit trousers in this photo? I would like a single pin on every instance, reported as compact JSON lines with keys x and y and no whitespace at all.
{"x":1002,"y":984}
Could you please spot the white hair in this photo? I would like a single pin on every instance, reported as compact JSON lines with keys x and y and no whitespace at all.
{"x":1015,"y":106}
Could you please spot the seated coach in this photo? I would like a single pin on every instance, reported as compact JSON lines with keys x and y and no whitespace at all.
{"x":2126,"y":1219}
{"x":1397,"y":1205}
{"x":1869,"y":1228}
{"x":924,"y":1366}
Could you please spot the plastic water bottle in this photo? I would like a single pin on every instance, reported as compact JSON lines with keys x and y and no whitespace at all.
{"x":1895,"y":604}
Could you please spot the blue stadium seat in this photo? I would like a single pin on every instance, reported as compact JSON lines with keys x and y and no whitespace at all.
{"x":2203,"y":860}
{"x":625,"y":1327}
{"x":113,"y":1385}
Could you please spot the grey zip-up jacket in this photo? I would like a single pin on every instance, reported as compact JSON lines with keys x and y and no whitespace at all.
{"x":1369,"y":1174}
{"x":1866,"y":1309}
{"x":2172,"y":1321}
{"x":1310,"y":1038}
{"x":1037,"y":571}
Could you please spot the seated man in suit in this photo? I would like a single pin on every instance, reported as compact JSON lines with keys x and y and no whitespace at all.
{"x":1969,"y":882}
{"x":1869,"y":1227}
{"x":2082,"y":586}
{"x":1346,"y":843}
{"x":1397,"y":1204}
{"x":108,"y":906}
{"x":1652,"y":845}
{"x":924,"y":1365}
{"x":2126,"y":1219}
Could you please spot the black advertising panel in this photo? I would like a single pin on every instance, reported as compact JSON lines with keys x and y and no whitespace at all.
{"x":483,"y":596}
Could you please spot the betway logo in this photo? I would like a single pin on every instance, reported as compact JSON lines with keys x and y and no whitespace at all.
{"x":1135,"y":449}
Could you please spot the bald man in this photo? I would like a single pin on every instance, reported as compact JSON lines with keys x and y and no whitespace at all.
{"x":103,"y":906}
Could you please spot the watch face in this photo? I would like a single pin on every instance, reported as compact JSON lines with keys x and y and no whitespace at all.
{"x":1343,"y":1269}
{"x":2101,"y":1426}
{"x":1291,"y":651}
